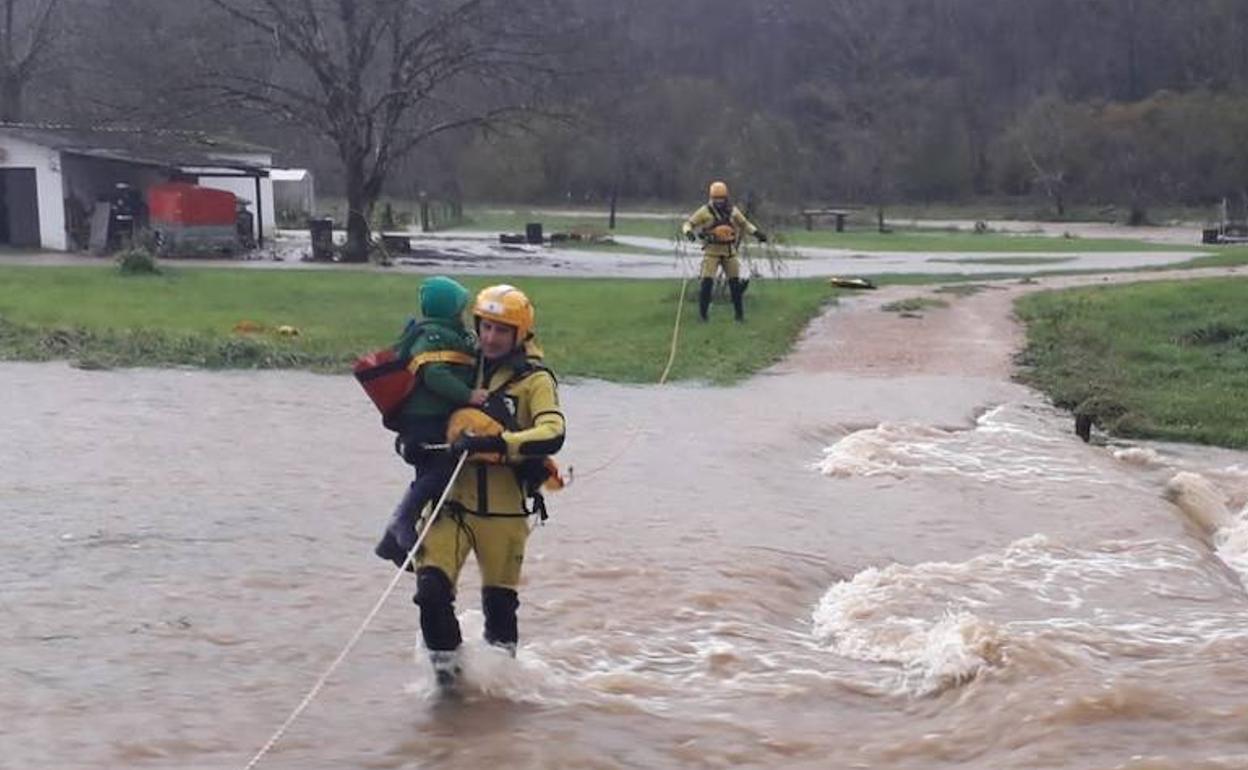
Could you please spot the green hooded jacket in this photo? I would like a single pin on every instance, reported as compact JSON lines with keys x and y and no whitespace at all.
{"x":441,"y":388}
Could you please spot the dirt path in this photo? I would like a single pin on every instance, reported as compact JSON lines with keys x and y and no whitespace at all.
{"x":976,"y":335}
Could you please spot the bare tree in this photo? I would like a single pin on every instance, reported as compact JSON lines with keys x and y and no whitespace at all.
{"x":25,"y":43}
{"x":379,"y":78}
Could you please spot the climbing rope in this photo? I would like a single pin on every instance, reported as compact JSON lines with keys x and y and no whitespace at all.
{"x":667,"y":370}
{"x":359,"y":632}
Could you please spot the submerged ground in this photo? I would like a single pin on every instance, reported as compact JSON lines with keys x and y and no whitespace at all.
{"x":881,"y":552}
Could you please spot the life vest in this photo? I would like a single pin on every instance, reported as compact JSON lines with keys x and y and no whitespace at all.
{"x":721,"y":229}
{"x":388,"y":378}
{"x":533,"y":474}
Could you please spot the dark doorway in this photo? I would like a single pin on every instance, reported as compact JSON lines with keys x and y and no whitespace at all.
{"x":19,"y":208}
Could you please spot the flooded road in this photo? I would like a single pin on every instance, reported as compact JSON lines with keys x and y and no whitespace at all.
{"x":480,"y":253}
{"x":881,"y":553}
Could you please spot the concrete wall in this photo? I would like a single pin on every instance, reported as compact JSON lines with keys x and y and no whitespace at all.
{"x":16,"y":153}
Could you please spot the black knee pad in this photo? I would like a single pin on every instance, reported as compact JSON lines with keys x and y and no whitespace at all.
{"x":500,"y":605}
{"x":436,"y":597}
{"x":433,"y":588}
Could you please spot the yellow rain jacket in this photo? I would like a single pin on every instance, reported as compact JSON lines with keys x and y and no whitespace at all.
{"x":716,"y":241}
{"x":532,"y":398}
{"x":485,"y":512}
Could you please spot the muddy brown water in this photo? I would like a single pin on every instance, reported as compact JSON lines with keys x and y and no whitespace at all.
{"x":869,"y":556}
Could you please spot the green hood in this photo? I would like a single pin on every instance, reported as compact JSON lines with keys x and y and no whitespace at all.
{"x":442,"y":297}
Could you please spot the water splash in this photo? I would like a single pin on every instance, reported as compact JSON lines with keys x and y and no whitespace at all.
{"x":1003,"y":447}
{"x":491,"y":672}
{"x":1145,"y":457}
{"x":859,"y":620}
{"x":1034,"y":606}
{"x":1200,"y":500}
{"x":1231,"y":544}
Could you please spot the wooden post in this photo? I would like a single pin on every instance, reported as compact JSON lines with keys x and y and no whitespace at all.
{"x":425,"y":225}
{"x":611,"y":220}
{"x":259,"y":215}
{"x":840,"y":222}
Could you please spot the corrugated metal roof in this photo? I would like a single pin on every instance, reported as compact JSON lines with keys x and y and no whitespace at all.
{"x":153,"y":147}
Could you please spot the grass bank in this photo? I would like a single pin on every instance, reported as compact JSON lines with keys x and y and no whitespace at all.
{"x":614,"y":329}
{"x":1219,"y":256}
{"x":1156,"y":360}
{"x":918,"y":239}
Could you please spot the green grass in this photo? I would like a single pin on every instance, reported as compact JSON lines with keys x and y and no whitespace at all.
{"x":1039,"y":210}
{"x":1007,"y":260}
{"x":498,"y":220}
{"x":614,"y":329}
{"x":1222,"y":256}
{"x":1155,"y":360}
{"x":904,"y":239}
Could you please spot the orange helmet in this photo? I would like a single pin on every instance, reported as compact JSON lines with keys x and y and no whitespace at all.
{"x":718,"y":190}
{"x":506,"y":305}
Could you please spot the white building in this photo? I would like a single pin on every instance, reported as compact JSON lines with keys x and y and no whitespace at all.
{"x":51,"y":176}
{"x":293,"y":191}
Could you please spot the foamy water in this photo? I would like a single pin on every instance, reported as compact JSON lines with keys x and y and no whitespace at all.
{"x":1206,"y":505}
{"x":1001,"y":448}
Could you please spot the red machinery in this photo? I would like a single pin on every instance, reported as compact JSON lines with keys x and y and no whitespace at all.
{"x":190,"y":220}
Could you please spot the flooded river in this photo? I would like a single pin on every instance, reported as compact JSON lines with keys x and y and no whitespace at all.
{"x":829,"y":566}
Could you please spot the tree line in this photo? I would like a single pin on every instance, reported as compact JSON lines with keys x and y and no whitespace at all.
{"x":1074,"y":102}
{"x":1131,"y":103}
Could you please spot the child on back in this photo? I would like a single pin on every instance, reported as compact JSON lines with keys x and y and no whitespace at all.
{"x":445,"y":351}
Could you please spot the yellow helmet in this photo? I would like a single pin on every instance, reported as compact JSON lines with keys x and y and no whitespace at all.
{"x":506,"y":305}
{"x":718,"y":190}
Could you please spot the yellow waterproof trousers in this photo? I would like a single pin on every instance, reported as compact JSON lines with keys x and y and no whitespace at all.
{"x":712,"y":262}
{"x":497,"y":541}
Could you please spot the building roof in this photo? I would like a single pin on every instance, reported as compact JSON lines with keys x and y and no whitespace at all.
{"x":290,"y":174}
{"x":153,"y":147}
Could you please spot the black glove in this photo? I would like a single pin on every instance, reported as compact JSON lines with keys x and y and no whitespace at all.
{"x":761,"y":236}
{"x":689,"y":236}
{"x":474,"y":444}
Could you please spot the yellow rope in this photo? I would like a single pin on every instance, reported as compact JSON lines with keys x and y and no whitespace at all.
{"x":667,"y":370}
{"x":359,"y":632}
{"x":671,"y":356}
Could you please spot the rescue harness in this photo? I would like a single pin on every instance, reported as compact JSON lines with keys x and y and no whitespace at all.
{"x":533,"y":474}
{"x":721,"y":229}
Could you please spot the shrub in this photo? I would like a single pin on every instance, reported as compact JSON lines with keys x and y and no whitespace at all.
{"x":137,"y":260}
